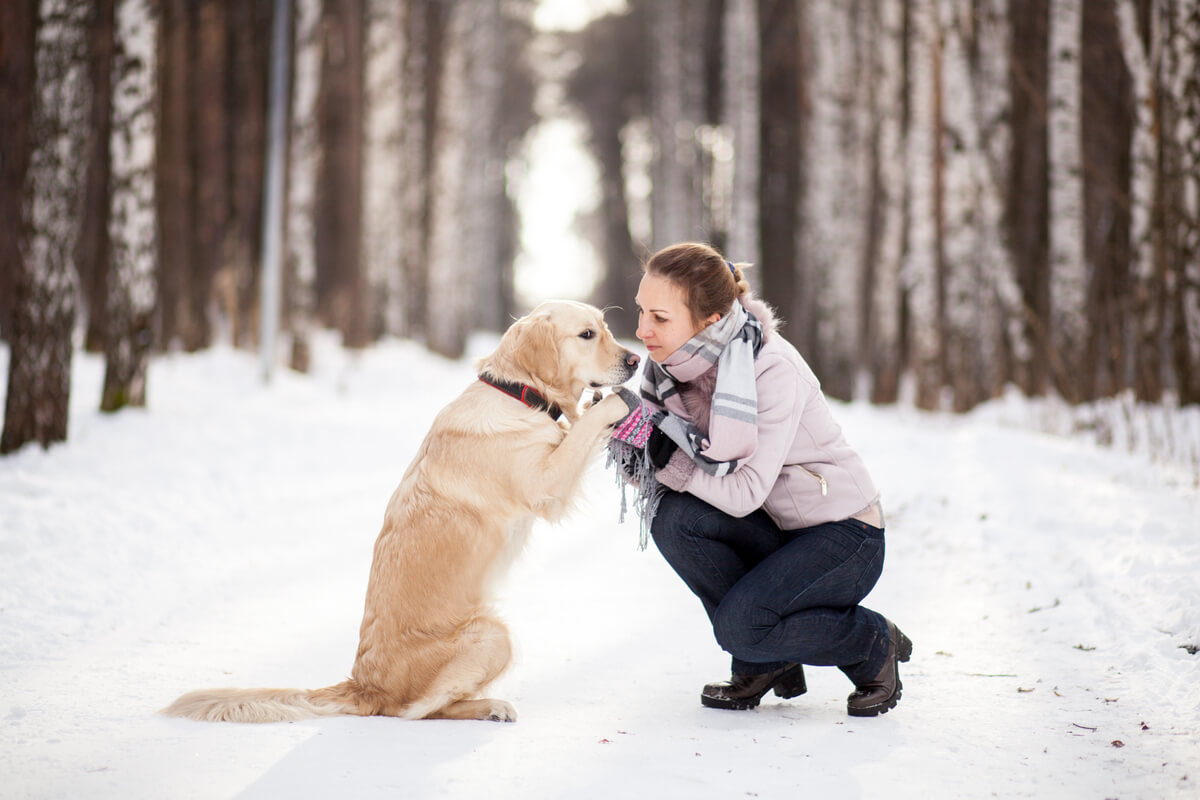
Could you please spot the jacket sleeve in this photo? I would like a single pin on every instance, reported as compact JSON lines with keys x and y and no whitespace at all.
{"x":782,"y":396}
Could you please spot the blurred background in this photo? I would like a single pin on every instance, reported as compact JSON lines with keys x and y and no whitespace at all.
{"x":942,"y":198}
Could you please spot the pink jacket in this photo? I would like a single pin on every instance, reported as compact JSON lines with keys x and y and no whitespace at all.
{"x":803,"y":473}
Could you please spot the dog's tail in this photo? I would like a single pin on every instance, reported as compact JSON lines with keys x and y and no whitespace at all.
{"x":266,"y":705}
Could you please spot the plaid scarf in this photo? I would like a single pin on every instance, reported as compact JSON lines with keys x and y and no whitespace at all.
{"x":731,"y":344}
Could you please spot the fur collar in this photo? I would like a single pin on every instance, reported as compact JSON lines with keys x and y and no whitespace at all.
{"x":764,"y":312}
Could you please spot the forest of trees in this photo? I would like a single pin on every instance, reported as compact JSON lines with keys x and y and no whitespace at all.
{"x":963,"y":193}
{"x":942,"y":197}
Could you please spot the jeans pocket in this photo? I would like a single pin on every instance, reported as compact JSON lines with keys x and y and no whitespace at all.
{"x":872,"y":552}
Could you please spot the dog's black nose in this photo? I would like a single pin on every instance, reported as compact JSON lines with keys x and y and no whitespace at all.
{"x":632,"y":359}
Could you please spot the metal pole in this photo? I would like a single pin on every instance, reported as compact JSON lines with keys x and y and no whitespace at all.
{"x":272,"y":230}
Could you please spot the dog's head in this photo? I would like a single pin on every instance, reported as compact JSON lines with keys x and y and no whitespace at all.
{"x":561,"y":348}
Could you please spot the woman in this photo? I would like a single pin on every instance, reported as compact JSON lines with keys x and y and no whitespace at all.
{"x":751,"y":492}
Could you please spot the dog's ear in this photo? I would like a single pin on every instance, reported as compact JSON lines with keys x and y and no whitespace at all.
{"x":537,"y":349}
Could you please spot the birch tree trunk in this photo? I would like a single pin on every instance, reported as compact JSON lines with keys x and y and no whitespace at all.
{"x":1069,"y":278}
{"x":341,"y":288}
{"x":303,"y":158}
{"x":466,"y":240}
{"x":450,"y":293}
{"x":923,"y":160}
{"x":18,"y":76}
{"x":854,"y":289}
{"x":209,"y":286}
{"x":383,"y":181}
{"x":1108,"y":115}
{"x":889,"y":203}
{"x":91,"y":253}
{"x":975,"y":269}
{"x":609,"y":89}
{"x":250,"y":23}
{"x":1001,"y":312}
{"x":1185,"y":88}
{"x":1027,"y":197}
{"x":424,"y":37}
{"x":621,"y":274}
{"x":482,"y":191}
{"x":676,"y":108}
{"x":174,"y":181}
{"x":741,"y":110}
{"x":517,"y":86}
{"x":781,"y":170}
{"x":961,"y":270}
{"x":45,"y":296}
{"x":1143,"y":62}
{"x":132,"y":225}
{"x":834,"y":201}
{"x":669,"y":184}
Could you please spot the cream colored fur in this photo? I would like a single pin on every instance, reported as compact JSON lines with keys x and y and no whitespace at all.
{"x":429,"y":644}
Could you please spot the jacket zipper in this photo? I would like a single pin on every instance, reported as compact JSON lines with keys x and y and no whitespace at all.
{"x":819,"y":477}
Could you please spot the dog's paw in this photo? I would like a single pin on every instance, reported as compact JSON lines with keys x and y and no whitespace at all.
{"x":632,"y":401}
{"x":633,"y":407}
{"x":614,"y":408}
{"x":501,"y":711}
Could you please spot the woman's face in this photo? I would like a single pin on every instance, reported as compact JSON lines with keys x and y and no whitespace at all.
{"x":664,"y":322}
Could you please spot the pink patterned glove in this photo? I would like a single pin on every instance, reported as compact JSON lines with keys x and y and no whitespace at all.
{"x":635,"y":429}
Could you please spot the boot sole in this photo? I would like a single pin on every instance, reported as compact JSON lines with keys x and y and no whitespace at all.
{"x":730,"y":704}
{"x":784,"y":687}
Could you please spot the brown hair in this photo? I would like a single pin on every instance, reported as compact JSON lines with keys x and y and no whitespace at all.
{"x":709,"y":282}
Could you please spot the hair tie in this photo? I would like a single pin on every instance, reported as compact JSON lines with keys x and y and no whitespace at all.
{"x":732,"y":270}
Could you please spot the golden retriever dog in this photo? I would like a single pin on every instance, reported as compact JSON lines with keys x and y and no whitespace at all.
{"x":513,"y":446}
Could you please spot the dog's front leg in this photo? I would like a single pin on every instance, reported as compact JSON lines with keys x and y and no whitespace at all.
{"x":564,"y":467}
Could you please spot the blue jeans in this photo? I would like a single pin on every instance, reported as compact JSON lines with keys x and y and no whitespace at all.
{"x":776,"y":596}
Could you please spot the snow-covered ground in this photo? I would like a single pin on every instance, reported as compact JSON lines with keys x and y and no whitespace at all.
{"x":223,"y":537}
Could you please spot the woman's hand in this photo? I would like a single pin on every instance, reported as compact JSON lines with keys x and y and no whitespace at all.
{"x":660,"y":448}
{"x":632,"y":401}
{"x":635,"y":426}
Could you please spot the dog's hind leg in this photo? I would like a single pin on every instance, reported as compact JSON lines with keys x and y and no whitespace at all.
{"x":485,"y":708}
{"x":483,"y":651}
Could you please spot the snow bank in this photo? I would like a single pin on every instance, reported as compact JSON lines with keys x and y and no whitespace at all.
{"x":223,"y":537}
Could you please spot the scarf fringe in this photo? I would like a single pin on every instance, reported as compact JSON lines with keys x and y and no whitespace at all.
{"x":635,"y":469}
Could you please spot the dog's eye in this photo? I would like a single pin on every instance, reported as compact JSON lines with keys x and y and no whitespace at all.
{"x":588,"y":334}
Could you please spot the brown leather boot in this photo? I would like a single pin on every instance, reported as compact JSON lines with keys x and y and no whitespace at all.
{"x":741,"y":692}
{"x":881,"y":694}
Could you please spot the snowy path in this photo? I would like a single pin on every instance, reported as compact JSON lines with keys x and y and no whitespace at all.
{"x":224,"y":539}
